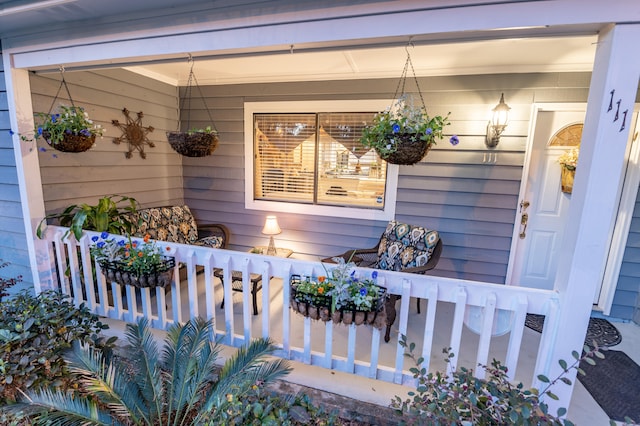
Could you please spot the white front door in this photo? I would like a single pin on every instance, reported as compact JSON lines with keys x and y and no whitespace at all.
{"x":544,"y":207}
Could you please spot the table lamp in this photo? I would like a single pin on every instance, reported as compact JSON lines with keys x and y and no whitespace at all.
{"x":271,"y":228}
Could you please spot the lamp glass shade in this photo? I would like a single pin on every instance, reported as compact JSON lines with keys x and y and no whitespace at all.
{"x":500,"y":114}
{"x":271,"y":226}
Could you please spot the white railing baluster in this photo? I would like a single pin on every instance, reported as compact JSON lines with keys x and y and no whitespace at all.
{"x":489,"y":310}
{"x":456,"y":331}
{"x":429,"y":325}
{"x":161,"y":302}
{"x":286,"y":312}
{"x":266,"y":294}
{"x":192,"y":284}
{"x":118,"y":310}
{"x":515,"y":337}
{"x":228,"y":301}
{"x":375,"y":353}
{"x":351,"y":348}
{"x":61,"y":260}
{"x":328,"y":344}
{"x":87,"y":273}
{"x":402,"y":319}
{"x":209,"y":289}
{"x":306,"y":356}
{"x":247,"y":302}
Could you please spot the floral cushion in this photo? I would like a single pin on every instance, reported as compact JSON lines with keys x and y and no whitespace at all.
{"x":213,"y":242}
{"x":175,"y":224}
{"x":405,"y":246}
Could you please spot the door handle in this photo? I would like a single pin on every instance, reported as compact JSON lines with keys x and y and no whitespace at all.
{"x":523,"y":222}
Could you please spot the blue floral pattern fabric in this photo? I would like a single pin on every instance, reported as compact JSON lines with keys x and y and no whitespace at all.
{"x":213,"y":242}
{"x":405,"y":246}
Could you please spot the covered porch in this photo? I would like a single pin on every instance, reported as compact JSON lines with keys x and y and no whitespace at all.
{"x":473,"y":202}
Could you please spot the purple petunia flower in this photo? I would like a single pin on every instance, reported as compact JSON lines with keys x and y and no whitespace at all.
{"x":374,"y":275}
{"x":43,"y":149}
{"x":454,"y":140}
{"x":395,"y":128}
{"x":100,"y":244}
{"x":363,"y":291}
{"x":104,"y":235}
{"x":40,"y":130}
{"x":429,"y":131}
{"x":121,"y":243}
{"x":94,"y":238}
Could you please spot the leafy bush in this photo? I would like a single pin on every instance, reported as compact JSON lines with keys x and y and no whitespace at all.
{"x":7,"y":283}
{"x":35,"y":331}
{"x":260,"y":407}
{"x":459,"y":397}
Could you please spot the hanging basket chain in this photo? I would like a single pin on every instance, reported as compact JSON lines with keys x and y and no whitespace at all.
{"x":400,"y":89}
{"x":191,"y":81}
{"x":55,"y":98}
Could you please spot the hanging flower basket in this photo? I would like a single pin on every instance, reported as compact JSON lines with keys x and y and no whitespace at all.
{"x":318,"y":307}
{"x":160,"y":276}
{"x":71,"y":142}
{"x":566,"y":180}
{"x":193,"y":144}
{"x":410,"y":149}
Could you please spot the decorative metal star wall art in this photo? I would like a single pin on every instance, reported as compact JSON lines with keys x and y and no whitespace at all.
{"x":134,"y":134}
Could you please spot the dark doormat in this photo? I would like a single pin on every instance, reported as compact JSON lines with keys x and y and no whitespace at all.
{"x":602,"y":331}
{"x":614,"y":382}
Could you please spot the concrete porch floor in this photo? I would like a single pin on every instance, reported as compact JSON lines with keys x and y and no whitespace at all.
{"x":583,"y":409}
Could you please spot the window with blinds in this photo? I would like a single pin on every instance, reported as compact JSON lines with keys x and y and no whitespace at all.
{"x":317,"y":158}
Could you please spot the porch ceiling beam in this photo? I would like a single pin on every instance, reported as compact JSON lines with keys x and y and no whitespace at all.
{"x":314,"y":28}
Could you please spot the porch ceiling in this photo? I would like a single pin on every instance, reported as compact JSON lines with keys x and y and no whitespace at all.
{"x":487,"y":56}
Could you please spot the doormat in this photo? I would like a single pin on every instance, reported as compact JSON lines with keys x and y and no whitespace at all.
{"x":614,"y":382}
{"x":602,"y":331}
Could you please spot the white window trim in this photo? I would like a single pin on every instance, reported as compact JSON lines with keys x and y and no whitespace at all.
{"x":250,"y":108}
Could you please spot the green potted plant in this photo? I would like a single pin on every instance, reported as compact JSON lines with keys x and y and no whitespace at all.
{"x":404,"y":132}
{"x":106,"y":215}
{"x":196,"y":142}
{"x":70,"y":130}
{"x":130,"y":262}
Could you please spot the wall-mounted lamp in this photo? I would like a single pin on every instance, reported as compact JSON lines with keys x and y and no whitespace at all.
{"x":497,"y":124}
{"x":271,"y":228}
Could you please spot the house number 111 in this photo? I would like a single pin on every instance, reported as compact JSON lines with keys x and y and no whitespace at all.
{"x":617,"y":115}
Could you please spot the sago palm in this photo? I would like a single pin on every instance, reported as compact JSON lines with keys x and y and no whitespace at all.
{"x":178,"y":386}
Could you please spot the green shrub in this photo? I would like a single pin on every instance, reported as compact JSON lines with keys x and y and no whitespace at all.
{"x":459,"y":397}
{"x":262,"y":407}
{"x":7,"y":283}
{"x":34,"y":333}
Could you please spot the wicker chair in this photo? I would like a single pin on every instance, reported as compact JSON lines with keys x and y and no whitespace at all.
{"x":372,"y":258}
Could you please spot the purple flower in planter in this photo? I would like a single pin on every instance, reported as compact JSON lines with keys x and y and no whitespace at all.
{"x":395,"y":128}
{"x":100,"y":244}
{"x":454,"y":140}
{"x":94,"y":238}
{"x":104,"y":235}
{"x":363,"y":291}
{"x":374,"y":275}
{"x":428,"y":131}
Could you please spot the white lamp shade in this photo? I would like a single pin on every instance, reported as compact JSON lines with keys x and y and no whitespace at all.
{"x":271,"y":226}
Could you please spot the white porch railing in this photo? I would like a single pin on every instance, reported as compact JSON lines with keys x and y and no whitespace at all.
{"x":165,"y":306}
